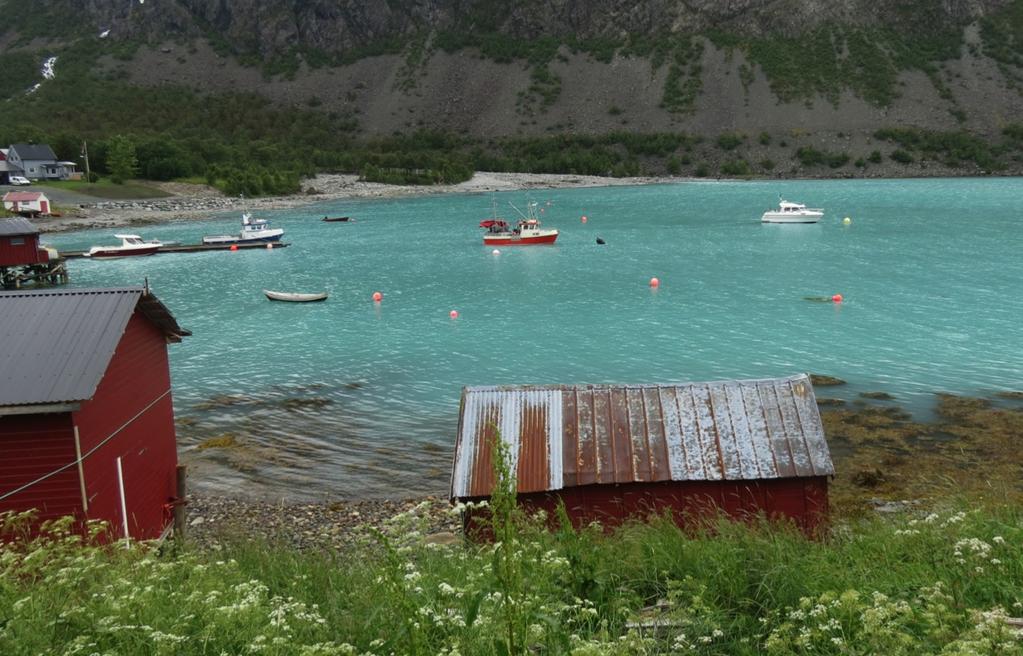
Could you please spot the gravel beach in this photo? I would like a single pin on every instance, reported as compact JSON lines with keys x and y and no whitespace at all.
{"x":194,"y":202}
{"x":328,"y":525}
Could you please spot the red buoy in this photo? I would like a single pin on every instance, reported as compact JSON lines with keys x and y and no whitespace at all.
{"x":654,"y":282}
{"x":584,"y":219}
{"x":453,"y":314}
{"x":837,"y":298}
{"x":234,"y":247}
{"x":377,"y":296}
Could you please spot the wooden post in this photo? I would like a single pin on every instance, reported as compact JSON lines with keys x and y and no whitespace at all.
{"x":85,"y":155}
{"x":179,"y":507}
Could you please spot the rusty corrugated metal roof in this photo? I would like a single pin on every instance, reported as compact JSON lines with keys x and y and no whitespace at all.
{"x":565,"y":436}
{"x":56,"y":344}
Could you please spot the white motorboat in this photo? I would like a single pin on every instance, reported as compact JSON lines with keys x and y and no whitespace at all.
{"x":792,"y":213}
{"x":253,"y":231}
{"x":131,"y":245}
{"x":293,"y":297}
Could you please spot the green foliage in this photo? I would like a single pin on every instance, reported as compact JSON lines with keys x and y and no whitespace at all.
{"x":901,"y":156}
{"x":765,"y":139}
{"x":18,"y":72}
{"x":730,"y":140}
{"x":939,"y":581}
{"x":809,"y":156}
{"x":121,"y":160}
{"x":952,"y":148}
{"x":683,"y":83}
{"x":875,"y":157}
{"x":736,"y":168}
{"x":767,"y":164}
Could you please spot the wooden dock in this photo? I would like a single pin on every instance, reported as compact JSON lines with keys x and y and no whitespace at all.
{"x":189,"y":248}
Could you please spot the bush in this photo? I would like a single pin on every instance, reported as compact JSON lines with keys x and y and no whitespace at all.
{"x":730,"y":140}
{"x":875,"y":157}
{"x":901,"y":156}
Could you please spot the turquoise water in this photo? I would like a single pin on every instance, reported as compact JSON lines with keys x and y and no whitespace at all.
{"x":930,"y":271}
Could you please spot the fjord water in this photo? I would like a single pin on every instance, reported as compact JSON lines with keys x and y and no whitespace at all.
{"x":349,"y":398}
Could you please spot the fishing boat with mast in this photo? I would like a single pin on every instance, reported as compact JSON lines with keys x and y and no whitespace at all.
{"x":528,"y":231}
{"x":253,"y":231}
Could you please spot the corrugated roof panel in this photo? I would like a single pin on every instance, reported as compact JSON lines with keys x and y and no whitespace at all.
{"x":571,"y":436}
{"x":55,"y":345}
{"x":17,"y":226}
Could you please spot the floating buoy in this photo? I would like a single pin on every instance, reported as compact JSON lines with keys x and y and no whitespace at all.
{"x":600,"y":241}
{"x":837,"y":298}
{"x":495,"y":252}
{"x":377,"y":296}
{"x":583,"y":219}
{"x":846,"y":220}
{"x":269,"y":246}
{"x":453,"y":314}
{"x":234,"y":247}
{"x":654,"y":282}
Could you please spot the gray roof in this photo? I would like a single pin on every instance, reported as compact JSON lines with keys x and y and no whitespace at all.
{"x":17,"y":226}
{"x":55,"y":345}
{"x":34,"y":151}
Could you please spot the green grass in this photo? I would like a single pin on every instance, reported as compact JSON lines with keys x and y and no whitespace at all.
{"x":924,"y":583}
{"x":104,"y":188}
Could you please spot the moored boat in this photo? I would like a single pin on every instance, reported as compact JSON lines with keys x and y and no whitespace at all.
{"x":788,"y":212}
{"x":131,"y":245}
{"x":528,"y":231}
{"x":293,"y":297}
{"x":253,"y":230}
{"x":337,"y":219}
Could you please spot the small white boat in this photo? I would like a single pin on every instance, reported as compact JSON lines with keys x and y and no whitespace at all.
{"x":792,"y":213}
{"x":292,"y":297}
{"x":253,"y":230}
{"x":131,"y":245}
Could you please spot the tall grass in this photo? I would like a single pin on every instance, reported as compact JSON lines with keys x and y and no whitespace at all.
{"x":930,"y":583}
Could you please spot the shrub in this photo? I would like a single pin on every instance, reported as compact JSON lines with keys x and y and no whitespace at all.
{"x":901,"y":156}
{"x":875,"y":157}
{"x":730,"y":140}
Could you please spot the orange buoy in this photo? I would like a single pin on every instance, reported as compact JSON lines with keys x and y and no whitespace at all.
{"x":377,"y":296}
{"x":234,"y":247}
{"x":453,"y":314}
{"x":654,"y":282}
{"x":837,"y":298}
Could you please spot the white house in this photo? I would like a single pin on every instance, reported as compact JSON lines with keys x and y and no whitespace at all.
{"x":27,"y":203}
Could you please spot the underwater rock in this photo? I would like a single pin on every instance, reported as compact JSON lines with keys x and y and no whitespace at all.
{"x":820,"y":380}
{"x":299,"y":403}
{"x":823,"y":402}
{"x":1012,"y":396}
{"x":879,"y":396}
{"x":222,"y":441}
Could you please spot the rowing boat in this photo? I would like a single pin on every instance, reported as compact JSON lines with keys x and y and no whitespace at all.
{"x":295,"y":298}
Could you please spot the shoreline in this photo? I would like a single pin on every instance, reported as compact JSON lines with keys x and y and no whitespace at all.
{"x":194,"y":202}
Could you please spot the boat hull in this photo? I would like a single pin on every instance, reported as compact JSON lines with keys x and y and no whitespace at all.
{"x":336,"y":219}
{"x":778,"y":217}
{"x":514,"y":240}
{"x":229,"y":241}
{"x":112,"y":253}
{"x":291,"y":297}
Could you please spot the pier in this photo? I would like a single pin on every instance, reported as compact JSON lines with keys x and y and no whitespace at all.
{"x":190,"y":248}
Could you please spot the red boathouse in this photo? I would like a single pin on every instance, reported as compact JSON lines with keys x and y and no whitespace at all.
{"x":19,"y":243}
{"x":613,"y":452}
{"x":85,"y":407}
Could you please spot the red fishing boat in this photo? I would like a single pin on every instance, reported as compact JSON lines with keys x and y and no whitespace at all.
{"x":528,"y":231}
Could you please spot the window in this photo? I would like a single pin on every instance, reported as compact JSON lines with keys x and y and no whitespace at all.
{"x":17,"y":241}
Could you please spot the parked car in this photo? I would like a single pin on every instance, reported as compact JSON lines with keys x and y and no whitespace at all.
{"x":18,"y":180}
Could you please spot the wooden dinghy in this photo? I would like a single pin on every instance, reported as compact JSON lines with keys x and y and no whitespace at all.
{"x":336,"y":219}
{"x":292,"y":297}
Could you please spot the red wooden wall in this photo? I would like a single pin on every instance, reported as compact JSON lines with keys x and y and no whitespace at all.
{"x":138,"y":374}
{"x":32,"y":446}
{"x":803,"y":500}
{"x":27,"y":253}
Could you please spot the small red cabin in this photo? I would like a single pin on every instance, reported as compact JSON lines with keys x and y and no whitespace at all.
{"x":86,"y":421}
{"x":19,"y":243}
{"x":610,"y":453}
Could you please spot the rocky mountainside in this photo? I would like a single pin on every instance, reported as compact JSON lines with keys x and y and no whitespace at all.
{"x":746,"y":75}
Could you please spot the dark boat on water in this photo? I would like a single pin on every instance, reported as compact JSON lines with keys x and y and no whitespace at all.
{"x":337,"y":219}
